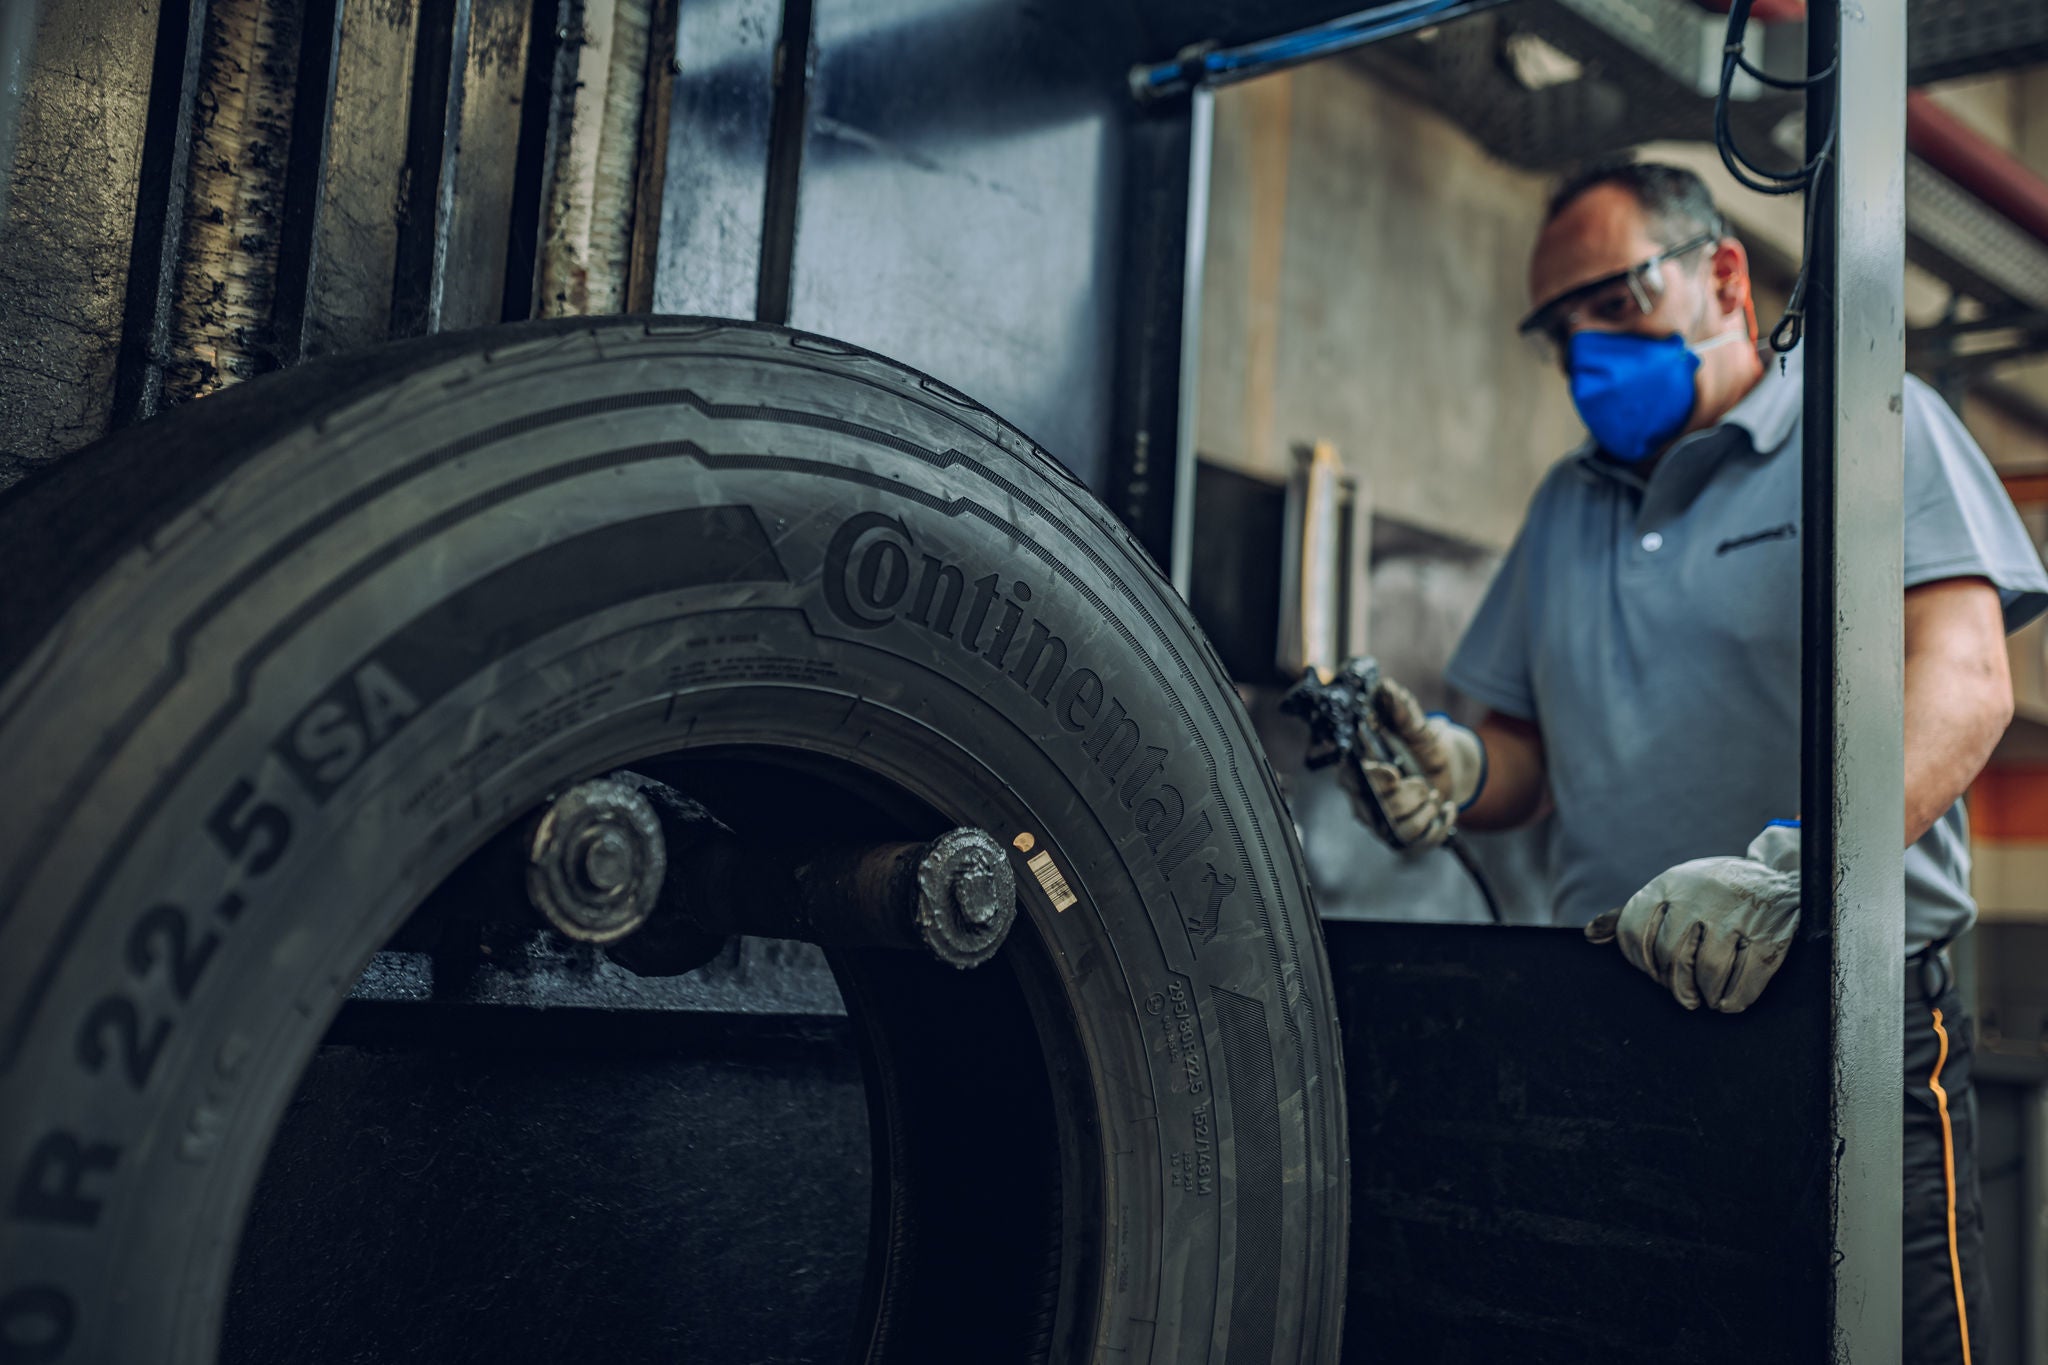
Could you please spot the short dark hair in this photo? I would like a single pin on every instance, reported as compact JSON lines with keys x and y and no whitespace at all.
{"x":1677,"y":202}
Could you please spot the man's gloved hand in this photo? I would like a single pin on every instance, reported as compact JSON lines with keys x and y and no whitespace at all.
{"x":1713,"y":931}
{"x":1423,"y":810}
{"x":1421,"y":818}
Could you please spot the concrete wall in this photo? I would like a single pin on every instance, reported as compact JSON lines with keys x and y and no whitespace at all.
{"x":1365,"y":272}
{"x":1364,"y":276}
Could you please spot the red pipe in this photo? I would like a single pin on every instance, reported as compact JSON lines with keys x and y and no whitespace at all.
{"x":2026,"y":489}
{"x":1763,"y":11}
{"x":1975,"y":163}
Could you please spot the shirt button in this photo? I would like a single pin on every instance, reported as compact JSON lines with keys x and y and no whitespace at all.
{"x":1653,"y":542}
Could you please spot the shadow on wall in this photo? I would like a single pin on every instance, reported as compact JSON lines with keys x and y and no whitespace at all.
{"x":1424,"y":588}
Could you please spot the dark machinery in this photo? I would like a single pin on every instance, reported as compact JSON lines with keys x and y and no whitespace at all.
{"x":631,"y":864}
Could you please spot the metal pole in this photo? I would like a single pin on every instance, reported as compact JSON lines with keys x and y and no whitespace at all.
{"x":1201,"y":151}
{"x":1166,"y":159}
{"x":1853,"y":792}
{"x":1206,"y":66}
{"x":17,"y":44}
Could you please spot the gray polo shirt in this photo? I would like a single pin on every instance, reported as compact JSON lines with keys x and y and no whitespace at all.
{"x":1651,"y":629}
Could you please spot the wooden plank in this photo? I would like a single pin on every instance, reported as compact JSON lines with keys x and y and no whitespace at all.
{"x":479,"y":222}
{"x":241,"y":136}
{"x":587,"y":248}
{"x":355,"y":240}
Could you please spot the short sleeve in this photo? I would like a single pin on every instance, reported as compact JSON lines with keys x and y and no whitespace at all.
{"x":1492,"y":663}
{"x":1959,"y":521}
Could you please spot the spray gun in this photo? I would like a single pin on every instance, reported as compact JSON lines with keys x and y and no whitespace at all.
{"x":1345,"y":727}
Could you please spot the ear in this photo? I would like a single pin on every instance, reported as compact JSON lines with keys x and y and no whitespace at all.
{"x":1730,"y":267}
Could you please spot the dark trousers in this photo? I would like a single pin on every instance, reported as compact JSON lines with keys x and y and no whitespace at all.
{"x":1945,"y":1309}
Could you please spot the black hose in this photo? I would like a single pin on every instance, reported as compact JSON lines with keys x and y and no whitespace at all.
{"x":1458,"y":850}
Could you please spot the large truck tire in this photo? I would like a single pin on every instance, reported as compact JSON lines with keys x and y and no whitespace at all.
{"x":271,"y":667}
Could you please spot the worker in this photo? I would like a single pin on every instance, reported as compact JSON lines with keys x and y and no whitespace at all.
{"x":1639,"y":656}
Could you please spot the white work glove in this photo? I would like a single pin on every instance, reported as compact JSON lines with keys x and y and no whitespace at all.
{"x":1713,"y":931}
{"x":1423,"y":810}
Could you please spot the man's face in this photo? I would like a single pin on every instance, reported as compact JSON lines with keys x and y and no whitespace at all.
{"x":1605,"y":231}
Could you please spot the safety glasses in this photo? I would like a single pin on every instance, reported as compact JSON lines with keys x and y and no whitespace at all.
{"x":1612,"y":300}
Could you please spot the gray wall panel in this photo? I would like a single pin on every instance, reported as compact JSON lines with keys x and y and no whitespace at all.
{"x":716,"y":183}
{"x":959,"y":206}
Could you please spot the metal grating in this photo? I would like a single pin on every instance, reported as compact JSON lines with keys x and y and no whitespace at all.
{"x":1953,"y":235}
{"x":1949,"y":38}
{"x":1642,"y":83}
{"x":1634,"y":89}
{"x":1684,"y":40}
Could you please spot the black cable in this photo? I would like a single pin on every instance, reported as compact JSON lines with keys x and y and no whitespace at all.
{"x":1761,"y":179}
{"x":1750,"y":175}
{"x":1792,"y":326}
{"x":1782,"y":82}
{"x":1457,"y":849}
{"x":1758,"y":178}
{"x":1745,"y":171}
{"x":1743,"y":167}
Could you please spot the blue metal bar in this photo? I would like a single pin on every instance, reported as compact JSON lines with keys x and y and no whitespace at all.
{"x":1212,"y":66}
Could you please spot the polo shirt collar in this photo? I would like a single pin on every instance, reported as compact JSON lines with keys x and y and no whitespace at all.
{"x":1770,"y":411}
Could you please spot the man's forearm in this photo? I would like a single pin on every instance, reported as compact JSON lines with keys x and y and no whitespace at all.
{"x":1958,"y":693}
{"x":1953,"y":720}
{"x":1513,"y":790}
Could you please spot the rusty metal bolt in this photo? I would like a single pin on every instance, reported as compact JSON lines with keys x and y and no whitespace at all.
{"x":596,"y":860}
{"x":967,"y":896}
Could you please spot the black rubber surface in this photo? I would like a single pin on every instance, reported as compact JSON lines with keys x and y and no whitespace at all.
{"x":1619,"y":1181}
{"x":605,"y":1186}
{"x":279,"y":662}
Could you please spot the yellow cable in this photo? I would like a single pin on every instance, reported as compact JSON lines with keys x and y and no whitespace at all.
{"x":1948,"y":1172}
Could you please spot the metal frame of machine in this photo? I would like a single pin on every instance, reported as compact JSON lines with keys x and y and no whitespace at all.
{"x":763,"y":146}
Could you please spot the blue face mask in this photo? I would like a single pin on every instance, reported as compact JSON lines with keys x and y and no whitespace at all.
{"x":1633,"y":392}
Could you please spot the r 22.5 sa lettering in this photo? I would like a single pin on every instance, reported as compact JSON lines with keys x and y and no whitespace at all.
{"x":254,"y":834}
{"x":63,"y":1182}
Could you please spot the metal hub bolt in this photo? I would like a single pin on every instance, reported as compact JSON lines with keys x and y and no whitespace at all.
{"x":605,"y":861}
{"x":598,"y":867}
{"x":967,"y":896}
{"x":596,"y":860}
